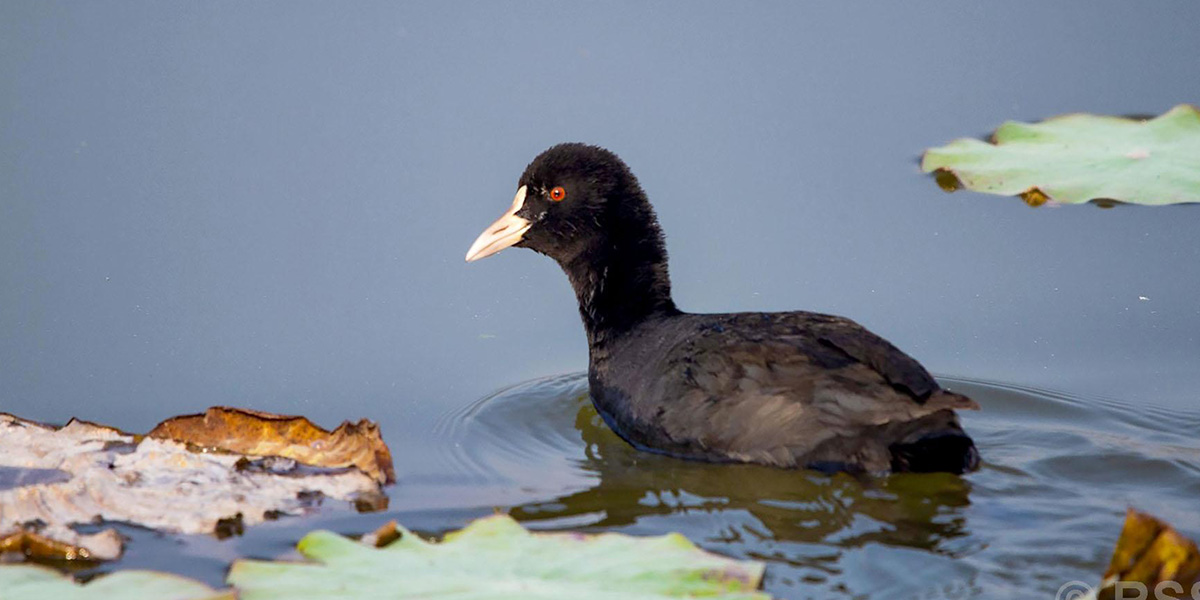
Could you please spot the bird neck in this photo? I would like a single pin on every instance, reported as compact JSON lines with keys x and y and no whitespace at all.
{"x":621,"y":285}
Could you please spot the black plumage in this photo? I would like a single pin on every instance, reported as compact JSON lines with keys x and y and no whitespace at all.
{"x":794,"y":389}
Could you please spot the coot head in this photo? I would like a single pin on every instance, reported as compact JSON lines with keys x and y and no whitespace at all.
{"x":581,"y":206}
{"x":573,"y":200}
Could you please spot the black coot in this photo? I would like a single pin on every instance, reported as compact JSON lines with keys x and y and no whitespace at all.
{"x":795,"y":389}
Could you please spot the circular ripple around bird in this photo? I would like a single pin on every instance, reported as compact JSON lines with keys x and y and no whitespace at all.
{"x":1059,"y":471}
{"x":523,"y":435}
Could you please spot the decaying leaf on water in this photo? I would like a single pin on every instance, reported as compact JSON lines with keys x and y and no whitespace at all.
{"x":103,"y":474}
{"x":1151,"y":553}
{"x":496,"y":558}
{"x":22,"y":582}
{"x":60,"y":543}
{"x":384,"y":535}
{"x":264,"y":434}
{"x":1078,"y":158}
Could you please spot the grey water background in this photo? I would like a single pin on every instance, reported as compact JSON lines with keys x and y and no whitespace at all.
{"x":267,"y":204}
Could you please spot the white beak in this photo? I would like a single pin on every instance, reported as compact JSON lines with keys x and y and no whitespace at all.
{"x":506,"y":231}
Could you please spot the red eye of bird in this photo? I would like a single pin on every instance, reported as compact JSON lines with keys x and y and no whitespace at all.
{"x":557,"y":194}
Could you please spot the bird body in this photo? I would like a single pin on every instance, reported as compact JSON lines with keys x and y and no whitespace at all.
{"x":789,"y":389}
{"x":793,"y":389}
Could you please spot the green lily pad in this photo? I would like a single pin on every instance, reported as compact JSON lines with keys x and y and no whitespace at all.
{"x":1079,"y":158}
{"x":32,"y":581}
{"x":496,"y":558}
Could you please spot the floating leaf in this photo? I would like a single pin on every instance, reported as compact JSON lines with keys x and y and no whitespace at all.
{"x":61,"y":544}
{"x":32,"y":581}
{"x":496,"y":558}
{"x":1149,"y":552}
{"x":105,"y":474}
{"x":265,"y":434}
{"x":1076,"y":158}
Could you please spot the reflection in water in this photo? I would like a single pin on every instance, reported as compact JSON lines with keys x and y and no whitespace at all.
{"x":1045,"y":509}
{"x":778,"y":504}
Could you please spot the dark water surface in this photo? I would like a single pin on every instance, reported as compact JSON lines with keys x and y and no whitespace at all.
{"x":267,"y":205}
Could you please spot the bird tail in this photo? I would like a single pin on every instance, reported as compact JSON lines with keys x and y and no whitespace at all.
{"x":936,"y":443}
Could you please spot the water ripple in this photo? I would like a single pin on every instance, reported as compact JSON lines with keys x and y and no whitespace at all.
{"x":1059,"y":471}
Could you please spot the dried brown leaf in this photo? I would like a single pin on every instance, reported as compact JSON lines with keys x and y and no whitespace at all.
{"x":62,"y":544}
{"x":1150,"y":552}
{"x":101,"y":474}
{"x":386,"y":534}
{"x":265,"y":434}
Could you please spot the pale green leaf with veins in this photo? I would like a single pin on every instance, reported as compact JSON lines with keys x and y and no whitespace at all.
{"x":1076,"y":158}
{"x":496,"y":558}
{"x":33,"y":581}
